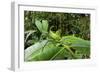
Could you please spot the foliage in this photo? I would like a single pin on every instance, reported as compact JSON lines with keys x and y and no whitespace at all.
{"x":56,"y":36}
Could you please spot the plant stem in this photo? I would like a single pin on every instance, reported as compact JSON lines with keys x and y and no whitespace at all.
{"x":57,"y":54}
{"x":44,"y":46}
{"x":67,"y":47}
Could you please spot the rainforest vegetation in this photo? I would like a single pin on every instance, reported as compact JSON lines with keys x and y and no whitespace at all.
{"x":56,"y":36}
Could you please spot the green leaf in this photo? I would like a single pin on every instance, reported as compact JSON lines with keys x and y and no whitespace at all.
{"x":50,"y":52}
{"x":46,"y":50}
{"x":81,"y":47}
{"x":75,"y":42}
{"x":45,"y":25}
{"x":64,"y":55}
{"x":46,"y":54}
{"x":58,"y":32}
{"x":34,"y":48}
{"x":42,"y":26}
{"x":55,"y":35}
{"x":39,"y":25}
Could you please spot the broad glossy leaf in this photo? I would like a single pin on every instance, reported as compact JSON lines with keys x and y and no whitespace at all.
{"x":64,"y":55}
{"x":50,"y":52}
{"x":34,"y":48}
{"x":82,"y":47}
{"x":75,"y":42}
{"x":44,"y":54}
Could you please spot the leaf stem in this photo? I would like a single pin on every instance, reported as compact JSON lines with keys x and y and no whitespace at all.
{"x":56,"y":54}
{"x":67,"y":47}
